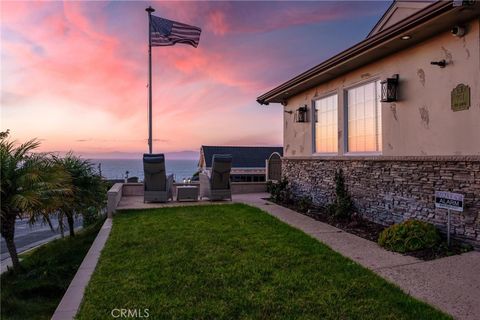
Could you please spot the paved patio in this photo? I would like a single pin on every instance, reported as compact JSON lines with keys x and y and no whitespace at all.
{"x":451,"y":284}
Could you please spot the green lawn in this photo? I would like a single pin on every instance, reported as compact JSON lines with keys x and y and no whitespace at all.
{"x":233,"y":262}
{"x":35,"y":292}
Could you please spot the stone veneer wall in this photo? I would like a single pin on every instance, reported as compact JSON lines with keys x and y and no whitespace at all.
{"x":394,"y":189}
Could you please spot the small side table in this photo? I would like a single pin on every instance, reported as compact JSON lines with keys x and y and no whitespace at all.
{"x":187,"y":193}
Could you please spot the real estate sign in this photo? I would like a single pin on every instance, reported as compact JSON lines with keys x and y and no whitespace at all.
{"x":449,"y":200}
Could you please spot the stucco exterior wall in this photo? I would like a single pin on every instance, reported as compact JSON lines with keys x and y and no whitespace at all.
{"x":422,"y":122}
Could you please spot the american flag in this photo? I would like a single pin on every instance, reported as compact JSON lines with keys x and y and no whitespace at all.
{"x":166,"y":32}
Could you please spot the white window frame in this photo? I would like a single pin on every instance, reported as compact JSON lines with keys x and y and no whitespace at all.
{"x":313,"y":117}
{"x":347,"y":152}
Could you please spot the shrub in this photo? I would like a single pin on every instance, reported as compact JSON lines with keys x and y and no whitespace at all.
{"x":279,"y":191}
{"x":90,"y":216}
{"x":303,"y":203}
{"x":343,"y":205}
{"x":411,"y":235}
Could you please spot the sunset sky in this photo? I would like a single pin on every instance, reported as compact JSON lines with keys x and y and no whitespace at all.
{"x":74,"y":74}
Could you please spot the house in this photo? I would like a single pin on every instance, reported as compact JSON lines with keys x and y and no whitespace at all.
{"x":399,"y":112}
{"x":248,"y":163}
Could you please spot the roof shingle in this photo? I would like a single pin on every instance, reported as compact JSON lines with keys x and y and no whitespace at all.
{"x":243,"y":157}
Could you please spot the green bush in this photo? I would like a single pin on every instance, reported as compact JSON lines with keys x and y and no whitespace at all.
{"x":343,"y":206}
{"x":279,"y":191}
{"x":411,"y":235}
{"x":303,"y":203}
{"x":90,"y":216}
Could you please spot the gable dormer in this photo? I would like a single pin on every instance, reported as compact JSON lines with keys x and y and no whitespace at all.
{"x":398,"y":11}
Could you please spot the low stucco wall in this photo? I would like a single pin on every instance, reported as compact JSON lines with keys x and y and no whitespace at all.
{"x":136,"y":189}
{"x":113,"y":198}
{"x":391,"y":190}
{"x":132,"y":189}
{"x":248,"y":187}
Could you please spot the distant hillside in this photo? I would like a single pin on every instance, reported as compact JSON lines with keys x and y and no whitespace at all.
{"x":177,"y":155}
{"x":193,"y":155}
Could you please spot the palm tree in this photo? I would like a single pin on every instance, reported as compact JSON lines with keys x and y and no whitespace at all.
{"x":30,"y":184}
{"x":89,"y":192}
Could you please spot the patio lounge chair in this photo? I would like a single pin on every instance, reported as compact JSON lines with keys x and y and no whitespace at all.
{"x":217,"y":186}
{"x":157,"y":186}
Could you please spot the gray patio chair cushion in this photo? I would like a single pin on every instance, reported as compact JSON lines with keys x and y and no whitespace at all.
{"x":154,"y":170}
{"x":221,"y":167}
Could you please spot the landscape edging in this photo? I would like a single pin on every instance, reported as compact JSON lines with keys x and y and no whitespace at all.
{"x":72,"y":299}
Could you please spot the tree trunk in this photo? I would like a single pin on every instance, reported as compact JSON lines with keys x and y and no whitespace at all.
{"x":71,"y":221}
{"x":8,"y":233}
{"x":61,"y":226}
{"x":12,"y":250}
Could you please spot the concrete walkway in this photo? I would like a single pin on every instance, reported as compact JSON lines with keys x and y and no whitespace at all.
{"x":451,"y":284}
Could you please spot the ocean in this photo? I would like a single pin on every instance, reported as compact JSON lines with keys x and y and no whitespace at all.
{"x":116,"y":168}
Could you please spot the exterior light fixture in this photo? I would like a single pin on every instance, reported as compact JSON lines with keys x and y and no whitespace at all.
{"x":389,"y":88}
{"x":458,"y":31}
{"x":301,"y":114}
{"x":406,"y":37}
{"x":441,"y":63}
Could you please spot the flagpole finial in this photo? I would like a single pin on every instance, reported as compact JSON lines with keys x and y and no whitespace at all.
{"x":150,"y":9}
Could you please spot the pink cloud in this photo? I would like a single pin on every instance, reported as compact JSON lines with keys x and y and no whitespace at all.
{"x":89,"y":67}
{"x":217,"y":22}
{"x":81,"y":64}
{"x":224,"y":18}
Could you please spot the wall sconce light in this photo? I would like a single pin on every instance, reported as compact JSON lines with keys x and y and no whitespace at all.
{"x":458,"y":31}
{"x":301,"y":114}
{"x":389,"y":89}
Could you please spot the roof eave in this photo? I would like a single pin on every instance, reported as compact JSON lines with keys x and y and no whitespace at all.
{"x":280,"y":93}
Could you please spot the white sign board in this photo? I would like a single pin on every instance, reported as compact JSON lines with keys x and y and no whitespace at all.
{"x":449,"y":200}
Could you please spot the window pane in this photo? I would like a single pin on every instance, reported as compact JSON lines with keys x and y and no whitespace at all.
{"x":378,"y":96}
{"x":370,"y":127}
{"x":359,"y":94}
{"x":370,"y":108}
{"x":364,"y":129}
{"x":326,"y":132}
{"x":370,"y":92}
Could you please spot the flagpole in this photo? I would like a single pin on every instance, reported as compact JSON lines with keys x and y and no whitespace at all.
{"x":149,"y":10}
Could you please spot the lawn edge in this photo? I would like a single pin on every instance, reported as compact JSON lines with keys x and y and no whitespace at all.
{"x":72,"y":299}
